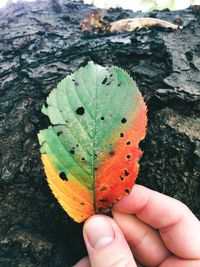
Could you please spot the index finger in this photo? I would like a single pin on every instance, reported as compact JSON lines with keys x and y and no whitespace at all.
{"x":178,"y":226}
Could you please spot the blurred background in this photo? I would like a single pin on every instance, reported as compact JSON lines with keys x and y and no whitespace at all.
{"x":135,"y":5}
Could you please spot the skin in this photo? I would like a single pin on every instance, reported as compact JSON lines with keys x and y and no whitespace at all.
{"x":148,"y":229}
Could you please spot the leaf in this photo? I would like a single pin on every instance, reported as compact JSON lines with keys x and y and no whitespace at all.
{"x":90,"y":153}
{"x":133,"y":24}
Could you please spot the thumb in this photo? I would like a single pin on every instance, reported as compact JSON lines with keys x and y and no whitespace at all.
{"x":106,"y":244}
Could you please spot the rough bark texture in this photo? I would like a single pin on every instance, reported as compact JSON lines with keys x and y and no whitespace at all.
{"x":40,"y":43}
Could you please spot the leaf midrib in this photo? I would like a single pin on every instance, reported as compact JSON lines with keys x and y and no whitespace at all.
{"x":94,"y":143}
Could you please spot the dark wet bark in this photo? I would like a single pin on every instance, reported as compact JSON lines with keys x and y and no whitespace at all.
{"x":40,"y":43}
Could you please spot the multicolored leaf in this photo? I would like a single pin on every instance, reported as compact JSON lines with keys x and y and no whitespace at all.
{"x":90,"y":153}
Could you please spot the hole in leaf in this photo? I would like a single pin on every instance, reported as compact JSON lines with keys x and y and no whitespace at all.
{"x":119,"y":84}
{"x":63,"y":176}
{"x":127,"y":191}
{"x":124,"y":120}
{"x":111,"y":75}
{"x":128,"y":156}
{"x":126,"y":173}
{"x":108,"y":83}
{"x":111,"y":153}
{"x":59,"y":133}
{"x":45,"y":104}
{"x":82,"y":203}
{"x":83,"y":159}
{"x":121,"y":178}
{"x":95,"y":168}
{"x":104,"y":188}
{"x":95,"y":155}
{"x":102,"y":118}
{"x":80,"y":111}
{"x":105,"y":80}
{"x":128,"y":143}
{"x":121,"y":134}
{"x":102,"y":200}
{"x":77,"y":145}
{"x":72,"y":151}
{"x":76,"y":83}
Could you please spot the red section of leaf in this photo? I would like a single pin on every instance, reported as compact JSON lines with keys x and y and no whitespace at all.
{"x":117,"y":175}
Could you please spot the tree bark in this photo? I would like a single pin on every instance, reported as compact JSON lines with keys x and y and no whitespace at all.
{"x":40,"y":43}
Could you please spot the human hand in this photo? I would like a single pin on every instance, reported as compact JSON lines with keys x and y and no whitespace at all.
{"x":147,"y":229}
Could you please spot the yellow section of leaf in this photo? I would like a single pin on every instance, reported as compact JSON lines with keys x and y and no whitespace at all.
{"x":75,"y":199}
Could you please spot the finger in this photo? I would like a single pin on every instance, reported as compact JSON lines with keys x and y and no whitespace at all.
{"x":144,"y":241}
{"x":179,"y":228}
{"x":84,"y":262}
{"x":106,"y":244}
{"x":177,"y":262}
{"x":139,"y":264}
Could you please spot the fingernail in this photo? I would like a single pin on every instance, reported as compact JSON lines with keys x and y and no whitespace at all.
{"x":99,"y":231}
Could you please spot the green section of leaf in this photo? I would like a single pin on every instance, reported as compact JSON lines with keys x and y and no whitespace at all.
{"x":114,"y":101}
